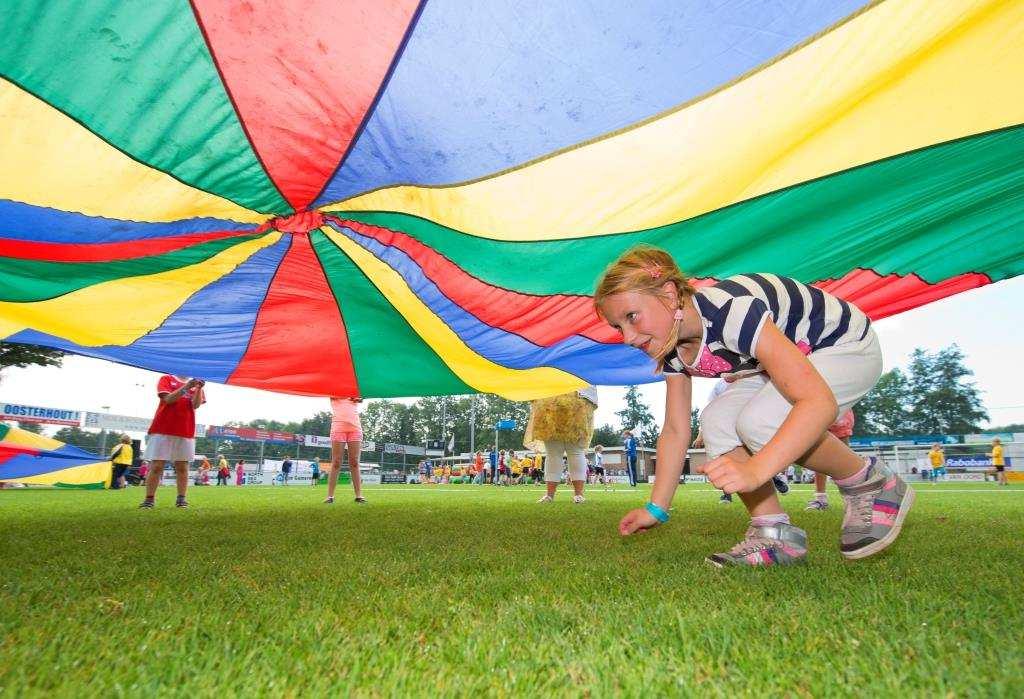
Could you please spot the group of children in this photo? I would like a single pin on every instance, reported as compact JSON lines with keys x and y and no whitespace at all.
{"x":937,"y":464}
{"x":508,"y":469}
{"x":223,"y":472}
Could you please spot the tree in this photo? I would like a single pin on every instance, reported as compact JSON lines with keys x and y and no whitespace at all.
{"x":694,"y":422}
{"x":636,"y":416}
{"x":932,"y":397}
{"x":883,"y":411}
{"x":16,"y":355}
{"x":90,"y":441}
{"x":319,"y":424}
{"x":941,"y":400}
{"x":33,"y":427}
{"x":606,"y":436}
{"x":492,"y":409}
{"x":390,"y":421}
{"x":436,"y":417}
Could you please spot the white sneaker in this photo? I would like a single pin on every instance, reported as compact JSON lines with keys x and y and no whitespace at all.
{"x":546,"y":498}
{"x":578,"y":499}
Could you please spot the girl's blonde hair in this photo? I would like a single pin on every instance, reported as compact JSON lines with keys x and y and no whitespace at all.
{"x":646,"y":269}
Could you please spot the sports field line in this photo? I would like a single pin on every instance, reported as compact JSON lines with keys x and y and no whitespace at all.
{"x":589,"y":493}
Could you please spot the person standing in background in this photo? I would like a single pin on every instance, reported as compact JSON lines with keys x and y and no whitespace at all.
{"x":172,"y":434}
{"x":121,"y":457}
{"x":937,"y":459}
{"x":346,"y":434}
{"x":629,"y":446}
{"x":998,"y":462}
{"x":563,"y":425}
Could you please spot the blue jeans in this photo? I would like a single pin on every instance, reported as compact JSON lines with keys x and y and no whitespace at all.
{"x":631,"y":469}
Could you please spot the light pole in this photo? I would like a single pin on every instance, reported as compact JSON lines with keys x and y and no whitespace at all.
{"x":472,"y":423}
{"x":103,"y":434}
{"x":444,"y":420}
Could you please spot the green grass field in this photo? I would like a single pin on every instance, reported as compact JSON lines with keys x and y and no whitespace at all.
{"x":471,"y":589}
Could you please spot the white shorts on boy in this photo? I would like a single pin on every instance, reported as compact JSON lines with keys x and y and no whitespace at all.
{"x":165,"y":447}
{"x":750,"y":411}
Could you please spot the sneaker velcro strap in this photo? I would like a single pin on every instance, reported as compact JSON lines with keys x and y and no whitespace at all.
{"x":785,"y":533}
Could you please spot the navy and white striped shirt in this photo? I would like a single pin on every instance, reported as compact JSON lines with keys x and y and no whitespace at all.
{"x":734,"y":310}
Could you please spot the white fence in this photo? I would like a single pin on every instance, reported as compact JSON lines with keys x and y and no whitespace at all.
{"x":961,"y":459}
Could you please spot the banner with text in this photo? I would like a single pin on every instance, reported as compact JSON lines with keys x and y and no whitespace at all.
{"x":249,"y":434}
{"x":34,"y":413}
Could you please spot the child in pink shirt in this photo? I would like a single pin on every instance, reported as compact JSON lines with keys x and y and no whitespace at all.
{"x":346,"y":432}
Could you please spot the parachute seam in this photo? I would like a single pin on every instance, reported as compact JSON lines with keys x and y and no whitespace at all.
{"x":254,"y":236}
{"x":635,"y":125}
{"x":412,"y":330}
{"x":482,"y":322}
{"x":222,"y":235}
{"x":442,"y":320}
{"x":234,"y":105}
{"x":256,"y":320}
{"x":713,"y":279}
{"x":251,"y":226}
{"x":121,"y":150}
{"x":376,"y":100}
{"x":337,"y":303}
{"x":343,"y":223}
{"x":742,"y":202}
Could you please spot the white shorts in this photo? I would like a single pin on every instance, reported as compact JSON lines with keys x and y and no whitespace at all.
{"x":751,"y":410}
{"x":164,"y":447}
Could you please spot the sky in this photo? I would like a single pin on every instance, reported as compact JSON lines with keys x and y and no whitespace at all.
{"x":985,"y":323}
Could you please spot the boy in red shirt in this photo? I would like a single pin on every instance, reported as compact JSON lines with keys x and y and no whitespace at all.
{"x":172,"y":433}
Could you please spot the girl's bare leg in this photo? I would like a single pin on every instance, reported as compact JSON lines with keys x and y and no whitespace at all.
{"x":332,"y":479}
{"x":181,"y":477}
{"x":156,"y":472}
{"x":832,"y":457}
{"x":353,"y":463}
{"x":764,"y":500}
{"x":820,"y":479}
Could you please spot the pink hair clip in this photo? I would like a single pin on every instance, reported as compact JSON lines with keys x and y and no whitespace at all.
{"x":678,"y":315}
{"x":654,"y":271}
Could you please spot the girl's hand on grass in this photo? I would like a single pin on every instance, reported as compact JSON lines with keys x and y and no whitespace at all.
{"x":731,"y":476}
{"x":638,"y":520}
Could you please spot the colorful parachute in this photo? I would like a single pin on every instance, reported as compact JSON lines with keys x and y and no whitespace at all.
{"x":399,"y":198}
{"x":37,"y":460}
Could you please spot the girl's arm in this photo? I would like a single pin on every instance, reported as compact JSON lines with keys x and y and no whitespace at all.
{"x":198,"y":398}
{"x":672,"y":444}
{"x":814,"y":409}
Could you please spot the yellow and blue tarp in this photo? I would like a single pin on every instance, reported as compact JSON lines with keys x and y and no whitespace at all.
{"x":33,"y":459}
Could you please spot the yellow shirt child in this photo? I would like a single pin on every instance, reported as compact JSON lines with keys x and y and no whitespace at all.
{"x":124,"y":454}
